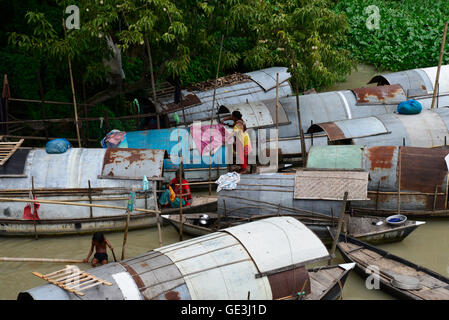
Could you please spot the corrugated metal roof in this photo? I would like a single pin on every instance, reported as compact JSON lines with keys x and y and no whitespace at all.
{"x":335,"y":157}
{"x":279,"y":237}
{"x":422,"y":170}
{"x":135,"y":163}
{"x":260,"y":87}
{"x":254,"y":190}
{"x":393,"y":94}
{"x":266,"y":78}
{"x":416,"y":81}
{"x":349,"y":129}
{"x":426,"y":129}
{"x":224,"y":265}
{"x":258,"y":114}
{"x":330,"y":185}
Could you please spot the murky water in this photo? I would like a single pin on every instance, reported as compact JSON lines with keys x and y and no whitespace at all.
{"x":357,"y":79}
{"x":426,"y":246}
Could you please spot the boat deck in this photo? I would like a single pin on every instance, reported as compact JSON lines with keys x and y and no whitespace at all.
{"x":432,"y":288}
{"x":323,"y":279}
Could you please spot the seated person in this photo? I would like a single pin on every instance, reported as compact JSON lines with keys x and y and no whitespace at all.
{"x":170,"y":197}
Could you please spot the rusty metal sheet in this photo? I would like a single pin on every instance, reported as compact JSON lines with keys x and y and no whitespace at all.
{"x":134,"y":163}
{"x":332,"y":130}
{"x":381,"y":161}
{"x":188,"y":101}
{"x":331,"y":185}
{"x":289,"y":282}
{"x":392,"y":94}
{"x":423,"y":169}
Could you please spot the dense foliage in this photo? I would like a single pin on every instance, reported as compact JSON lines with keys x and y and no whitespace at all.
{"x":409,"y":34}
{"x":184,"y":37}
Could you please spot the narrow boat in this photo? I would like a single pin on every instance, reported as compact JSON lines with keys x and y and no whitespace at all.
{"x":397,"y":276}
{"x":73,"y":226}
{"x":261,"y":260}
{"x":371,"y":229}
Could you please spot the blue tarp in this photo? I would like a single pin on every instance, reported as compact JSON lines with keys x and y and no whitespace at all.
{"x":409,"y":107}
{"x":167,"y":139}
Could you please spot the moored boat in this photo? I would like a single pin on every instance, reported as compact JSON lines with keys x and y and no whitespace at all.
{"x":396,"y":275}
{"x":225,"y":265}
{"x":369,"y":229}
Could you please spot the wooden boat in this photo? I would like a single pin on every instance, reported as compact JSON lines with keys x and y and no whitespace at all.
{"x":72,"y":226}
{"x":399,"y":277}
{"x":363,"y":228}
{"x":327,"y":282}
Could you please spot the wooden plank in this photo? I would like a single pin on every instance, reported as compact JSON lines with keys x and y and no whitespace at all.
{"x":17,"y":145}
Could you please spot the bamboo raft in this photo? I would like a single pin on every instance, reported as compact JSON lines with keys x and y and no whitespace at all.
{"x":72,"y":280}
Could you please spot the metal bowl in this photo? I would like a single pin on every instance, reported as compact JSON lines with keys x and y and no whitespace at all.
{"x":396,"y":219}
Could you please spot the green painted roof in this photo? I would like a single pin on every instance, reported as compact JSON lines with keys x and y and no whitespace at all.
{"x":335,"y":157}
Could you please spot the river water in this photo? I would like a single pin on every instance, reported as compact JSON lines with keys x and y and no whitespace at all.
{"x":426,"y":246}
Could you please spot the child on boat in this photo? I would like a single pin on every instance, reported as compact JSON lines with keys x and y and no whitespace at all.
{"x":99,"y":241}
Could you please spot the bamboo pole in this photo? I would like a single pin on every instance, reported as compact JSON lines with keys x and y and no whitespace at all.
{"x":76,"y":204}
{"x":340,"y":222}
{"x":435,"y":198}
{"x":399,"y":182}
{"x":11,"y":259}
{"x":90,"y":200}
{"x":277,"y":120}
{"x":301,"y":131}
{"x":181,"y":167}
{"x":73,"y":94}
{"x":158,"y":216}
{"x":153,"y":88}
{"x":34,"y":211}
{"x":125,"y":235}
{"x":446,"y":193}
{"x":437,"y":78}
{"x":212,"y":114}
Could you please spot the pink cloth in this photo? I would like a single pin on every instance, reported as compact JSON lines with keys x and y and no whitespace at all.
{"x":201,"y":137}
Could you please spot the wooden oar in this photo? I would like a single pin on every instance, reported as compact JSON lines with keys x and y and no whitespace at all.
{"x":10,"y":259}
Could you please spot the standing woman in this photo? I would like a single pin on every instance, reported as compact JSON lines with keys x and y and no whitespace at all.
{"x":242,"y":146}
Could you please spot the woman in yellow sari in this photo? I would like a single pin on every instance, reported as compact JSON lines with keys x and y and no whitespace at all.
{"x":242,"y":147}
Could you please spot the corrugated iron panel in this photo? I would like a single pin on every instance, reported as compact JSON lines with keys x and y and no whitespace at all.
{"x":266,"y":78}
{"x":280,"y":237}
{"x":409,"y":80}
{"x":217,"y":267}
{"x":390,"y":94}
{"x":349,"y":129}
{"x":134,"y":163}
{"x":335,"y":157}
{"x":426,"y":129}
{"x":443,"y":80}
{"x":289,"y":282}
{"x":381,"y":161}
{"x":257,"y":114}
{"x":331,"y":185}
{"x":423,"y":169}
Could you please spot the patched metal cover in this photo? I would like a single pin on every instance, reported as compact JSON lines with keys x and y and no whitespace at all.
{"x":133,"y":163}
{"x":266,"y":78}
{"x":349,"y":129}
{"x":423,"y":169}
{"x":217,"y":267}
{"x":443,"y":81}
{"x":258,"y":114}
{"x":426,"y":129}
{"x":331,"y":185}
{"x":280,"y":237}
{"x":392,"y":94}
{"x":335,"y":157}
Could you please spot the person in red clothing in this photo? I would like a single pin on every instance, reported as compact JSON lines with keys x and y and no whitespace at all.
{"x":175,"y":184}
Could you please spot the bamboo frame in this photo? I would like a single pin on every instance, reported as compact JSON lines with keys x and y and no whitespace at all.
{"x":437,"y":78}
